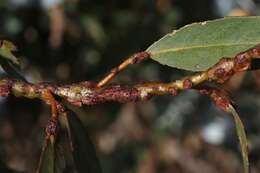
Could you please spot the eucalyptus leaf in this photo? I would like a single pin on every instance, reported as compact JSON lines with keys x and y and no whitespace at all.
{"x":83,"y":151}
{"x":6,"y":49}
{"x":242,"y":138}
{"x":198,"y":46}
{"x":11,"y":69}
{"x":52,"y":159}
{"x":8,"y":60}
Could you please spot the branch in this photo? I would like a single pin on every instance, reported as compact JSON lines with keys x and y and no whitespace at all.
{"x":89,"y":93}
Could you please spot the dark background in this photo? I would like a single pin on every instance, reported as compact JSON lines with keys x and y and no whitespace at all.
{"x":68,"y":41}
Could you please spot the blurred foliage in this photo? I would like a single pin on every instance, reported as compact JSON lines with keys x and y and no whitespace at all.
{"x":74,"y":40}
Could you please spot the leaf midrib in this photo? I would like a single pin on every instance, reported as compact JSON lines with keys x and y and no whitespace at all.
{"x":199,"y":47}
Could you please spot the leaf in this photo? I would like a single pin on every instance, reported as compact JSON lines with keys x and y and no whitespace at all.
{"x":52,"y":159}
{"x":82,"y":149}
{"x":198,"y":46}
{"x":242,"y":138}
{"x":11,"y":70}
{"x":47,"y":158}
{"x":8,"y":61}
{"x":6,"y":50}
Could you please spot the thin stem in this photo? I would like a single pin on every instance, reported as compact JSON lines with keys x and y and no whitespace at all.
{"x":49,"y":98}
{"x":134,"y":59}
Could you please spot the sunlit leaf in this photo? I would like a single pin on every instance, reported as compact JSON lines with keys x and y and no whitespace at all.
{"x":242,"y":138}
{"x":6,"y":51}
{"x":82,"y":149}
{"x":199,"y":46}
{"x":8,"y":60}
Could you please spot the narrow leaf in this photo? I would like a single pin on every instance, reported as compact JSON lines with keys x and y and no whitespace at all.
{"x":11,"y":69}
{"x":47,"y":158}
{"x":51,"y":160}
{"x":198,"y":46}
{"x":242,"y":138}
{"x":6,"y":50}
{"x":82,"y":149}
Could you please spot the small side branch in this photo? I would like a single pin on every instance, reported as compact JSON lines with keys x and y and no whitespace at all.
{"x":134,"y":59}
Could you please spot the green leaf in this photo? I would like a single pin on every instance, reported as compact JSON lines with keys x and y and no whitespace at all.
{"x":242,"y":138}
{"x":82,"y":149}
{"x":11,"y":69}
{"x":52,"y":159}
{"x":6,"y":50}
{"x":8,"y":60}
{"x":198,"y":46}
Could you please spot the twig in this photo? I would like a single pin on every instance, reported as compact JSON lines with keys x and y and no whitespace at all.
{"x":134,"y":59}
{"x":89,"y":93}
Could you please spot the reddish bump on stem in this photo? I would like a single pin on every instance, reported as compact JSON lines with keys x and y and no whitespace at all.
{"x":5,"y":87}
{"x":4,"y":90}
{"x":60,"y":107}
{"x":220,"y":97}
{"x":223,"y":75}
{"x":52,"y":127}
{"x":173,"y":91}
{"x":139,"y":57}
{"x":187,"y":84}
{"x":222,"y":71}
{"x":242,"y":62}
